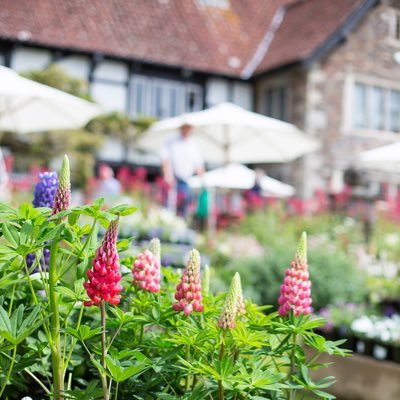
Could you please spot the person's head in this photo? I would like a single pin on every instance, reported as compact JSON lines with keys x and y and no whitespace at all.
{"x":105,"y":172}
{"x":186,"y":130}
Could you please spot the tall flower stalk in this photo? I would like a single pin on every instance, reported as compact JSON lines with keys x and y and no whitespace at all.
{"x":233,"y":306}
{"x":295,"y":298}
{"x":188,"y":291}
{"x":44,"y":194}
{"x":146,"y":268}
{"x":61,"y":202}
{"x":296,"y":288}
{"x":104,"y":287}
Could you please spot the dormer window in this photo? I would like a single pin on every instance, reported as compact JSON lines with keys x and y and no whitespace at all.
{"x":221,"y":4}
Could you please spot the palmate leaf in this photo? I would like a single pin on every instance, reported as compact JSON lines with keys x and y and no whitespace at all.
{"x":259,"y":379}
{"x":19,"y":326}
{"x":119,"y":373}
{"x":84,"y":332}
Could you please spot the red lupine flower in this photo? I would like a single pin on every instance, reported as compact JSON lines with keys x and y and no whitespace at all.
{"x":104,"y":276}
{"x":296,"y":287}
{"x":146,"y":268}
{"x":188,"y":291}
{"x":62,"y":199}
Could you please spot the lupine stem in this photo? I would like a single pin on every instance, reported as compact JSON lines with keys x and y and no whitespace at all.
{"x":292,"y":392}
{"x":221,"y":394}
{"x":187,"y":357}
{"x":55,"y":345}
{"x":106,"y":394}
{"x":9,"y":370}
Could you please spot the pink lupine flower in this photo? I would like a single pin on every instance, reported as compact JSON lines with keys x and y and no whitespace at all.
{"x":188,"y":291}
{"x":146,"y":268}
{"x":296,"y":287}
{"x":62,"y":199}
{"x":104,"y":276}
{"x":234,"y":304}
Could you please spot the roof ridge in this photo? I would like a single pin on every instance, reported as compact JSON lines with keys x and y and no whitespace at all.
{"x":263,"y":46}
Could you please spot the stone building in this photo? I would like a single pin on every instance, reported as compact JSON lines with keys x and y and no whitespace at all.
{"x":330,"y":67}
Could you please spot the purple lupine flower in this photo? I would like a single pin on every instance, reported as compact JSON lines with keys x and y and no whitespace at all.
{"x":62,"y":200}
{"x":105,"y":276}
{"x":45,"y":190}
{"x":44,"y":194}
{"x":43,"y":261}
{"x":296,"y":287}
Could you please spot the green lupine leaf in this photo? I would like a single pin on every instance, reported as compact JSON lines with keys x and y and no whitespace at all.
{"x":29,"y":325}
{"x":122,"y":209}
{"x":53,"y":233}
{"x":84,"y":332}
{"x":5,"y":324}
{"x":16,"y":319}
{"x":26,"y":232}
{"x":6,"y":229}
{"x":324,"y":395}
{"x":66,"y":293}
{"x":73,"y":218}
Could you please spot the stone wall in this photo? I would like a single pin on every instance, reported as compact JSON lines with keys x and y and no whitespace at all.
{"x":321,"y":96}
{"x":361,"y":378}
{"x":368,"y":54}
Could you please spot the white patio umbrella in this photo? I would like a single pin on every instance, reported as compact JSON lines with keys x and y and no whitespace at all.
{"x":28,"y":106}
{"x":227,"y":133}
{"x":383,"y":159}
{"x":237,"y":176}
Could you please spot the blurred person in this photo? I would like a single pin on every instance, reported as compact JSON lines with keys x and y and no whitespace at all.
{"x":4,"y":180}
{"x":180,"y":161}
{"x":107,"y":186}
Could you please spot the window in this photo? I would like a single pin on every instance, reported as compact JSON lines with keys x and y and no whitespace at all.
{"x":164,"y":98}
{"x":394,"y":25}
{"x":222,"y":4}
{"x":376,"y":108}
{"x":276,"y":103}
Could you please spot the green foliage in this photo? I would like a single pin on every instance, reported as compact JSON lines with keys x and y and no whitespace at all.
{"x":56,"y":77}
{"x":142,"y":348}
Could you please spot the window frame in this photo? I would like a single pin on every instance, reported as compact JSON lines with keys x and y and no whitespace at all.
{"x":369,"y":81}
{"x":151,"y":84}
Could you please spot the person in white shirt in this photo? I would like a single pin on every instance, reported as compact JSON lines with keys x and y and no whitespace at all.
{"x":180,"y":161}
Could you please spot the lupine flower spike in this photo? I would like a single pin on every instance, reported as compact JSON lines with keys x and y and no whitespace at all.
{"x":188,"y":291}
{"x":105,"y":276}
{"x":234,"y":304}
{"x":146,"y":268}
{"x":45,"y":190}
{"x":62,"y":200}
{"x":44,"y":194}
{"x":296,"y":287}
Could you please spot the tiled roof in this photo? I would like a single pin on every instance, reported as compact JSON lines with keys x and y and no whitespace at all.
{"x":181,"y":33}
{"x":305,"y":27}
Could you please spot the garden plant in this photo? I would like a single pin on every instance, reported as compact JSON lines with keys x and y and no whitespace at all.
{"x":81,"y":317}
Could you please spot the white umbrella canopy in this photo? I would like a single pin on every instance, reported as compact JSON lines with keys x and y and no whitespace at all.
{"x":227,"y":133}
{"x":384,"y":158}
{"x":237,"y":176}
{"x":27,"y":106}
